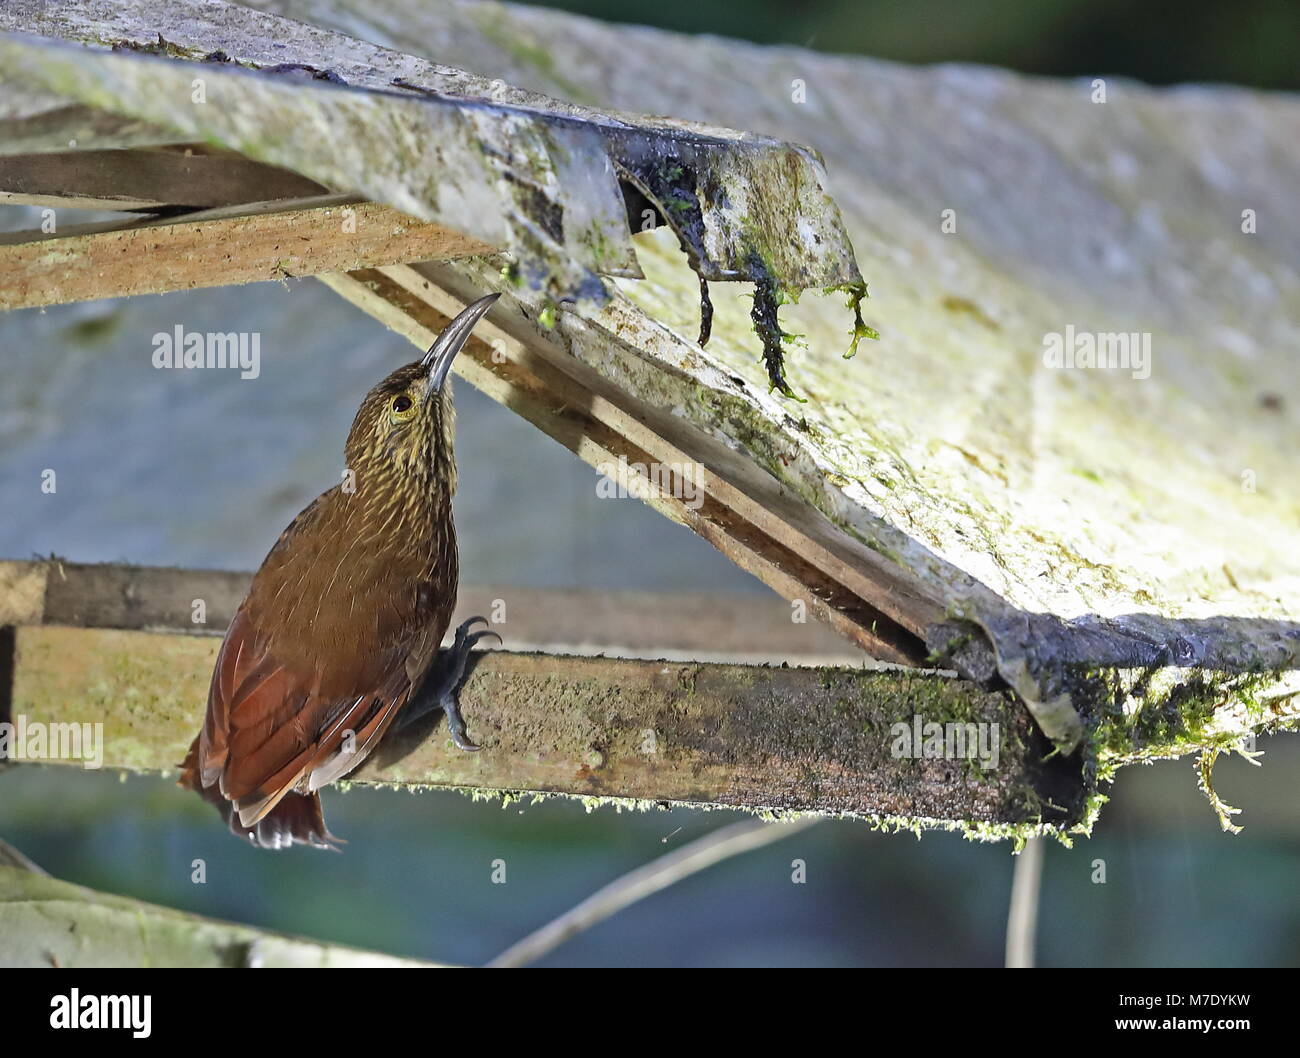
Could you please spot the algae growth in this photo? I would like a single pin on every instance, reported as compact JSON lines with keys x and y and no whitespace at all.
{"x":855,"y":292}
{"x":767,"y":326}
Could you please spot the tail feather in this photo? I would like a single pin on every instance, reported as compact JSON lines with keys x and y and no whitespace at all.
{"x":297,"y":818}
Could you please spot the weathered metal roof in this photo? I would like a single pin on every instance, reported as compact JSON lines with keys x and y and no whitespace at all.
{"x":1125,"y":542}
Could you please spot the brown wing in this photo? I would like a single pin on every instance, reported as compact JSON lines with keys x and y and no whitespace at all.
{"x":270,"y":740}
{"x":315,"y":665}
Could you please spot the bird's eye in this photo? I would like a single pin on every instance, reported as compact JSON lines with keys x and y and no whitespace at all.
{"x":401,"y":403}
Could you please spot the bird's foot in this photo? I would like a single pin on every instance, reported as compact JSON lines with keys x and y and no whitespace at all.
{"x":441,"y":689}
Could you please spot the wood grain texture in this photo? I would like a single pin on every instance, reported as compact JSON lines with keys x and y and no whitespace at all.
{"x":222,"y":251}
{"x":145,"y":179}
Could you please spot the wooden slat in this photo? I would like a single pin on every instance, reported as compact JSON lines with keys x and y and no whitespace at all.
{"x":258,"y":244}
{"x":59,"y":125}
{"x":657,"y":624}
{"x":734,"y":735}
{"x":145,"y":180}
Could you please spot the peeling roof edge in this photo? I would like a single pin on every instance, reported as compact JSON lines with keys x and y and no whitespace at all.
{"x":536,"y":176}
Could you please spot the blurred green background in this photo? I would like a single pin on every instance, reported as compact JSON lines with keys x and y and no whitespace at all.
{"x":193,"y":470}
{"x":1250,"y":42}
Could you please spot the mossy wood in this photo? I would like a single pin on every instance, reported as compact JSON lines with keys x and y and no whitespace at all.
{"x":641,"y":732}
{"x":514,"y":169}
{"x":1205,"y":714}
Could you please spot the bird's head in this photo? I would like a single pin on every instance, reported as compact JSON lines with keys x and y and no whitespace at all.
{"x":404,"y":427}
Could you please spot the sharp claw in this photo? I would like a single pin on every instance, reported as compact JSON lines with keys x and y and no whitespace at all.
{"x":472,"y":640}
{"x":456,"y":728}
{"x":465,"y":626}
{"x":440,"y":691}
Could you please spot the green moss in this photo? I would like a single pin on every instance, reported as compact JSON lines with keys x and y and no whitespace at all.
{"x":855,"y":292}
{"x":972,"y":830}
{"x":1168,"y":723}
{"x":1205,"y":783}
{"x":767,"y":299}
{"x":1185,"y":718}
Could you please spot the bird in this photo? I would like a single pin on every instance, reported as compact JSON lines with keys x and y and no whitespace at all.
{"x":338,"y":637}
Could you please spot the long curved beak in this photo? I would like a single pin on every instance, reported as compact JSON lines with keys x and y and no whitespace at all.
{"x":453,"y":338}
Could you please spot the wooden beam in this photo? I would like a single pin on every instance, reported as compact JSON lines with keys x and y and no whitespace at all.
{"x":628,"y":623}
{"x":258,"y":243}
{"x":754,"y":737}
{"x":745,"y":517}
{"x":58,"y":124}
{"x":145,"y":180}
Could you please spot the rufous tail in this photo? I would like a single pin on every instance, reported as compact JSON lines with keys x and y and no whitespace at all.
{"x":297,"y":818}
